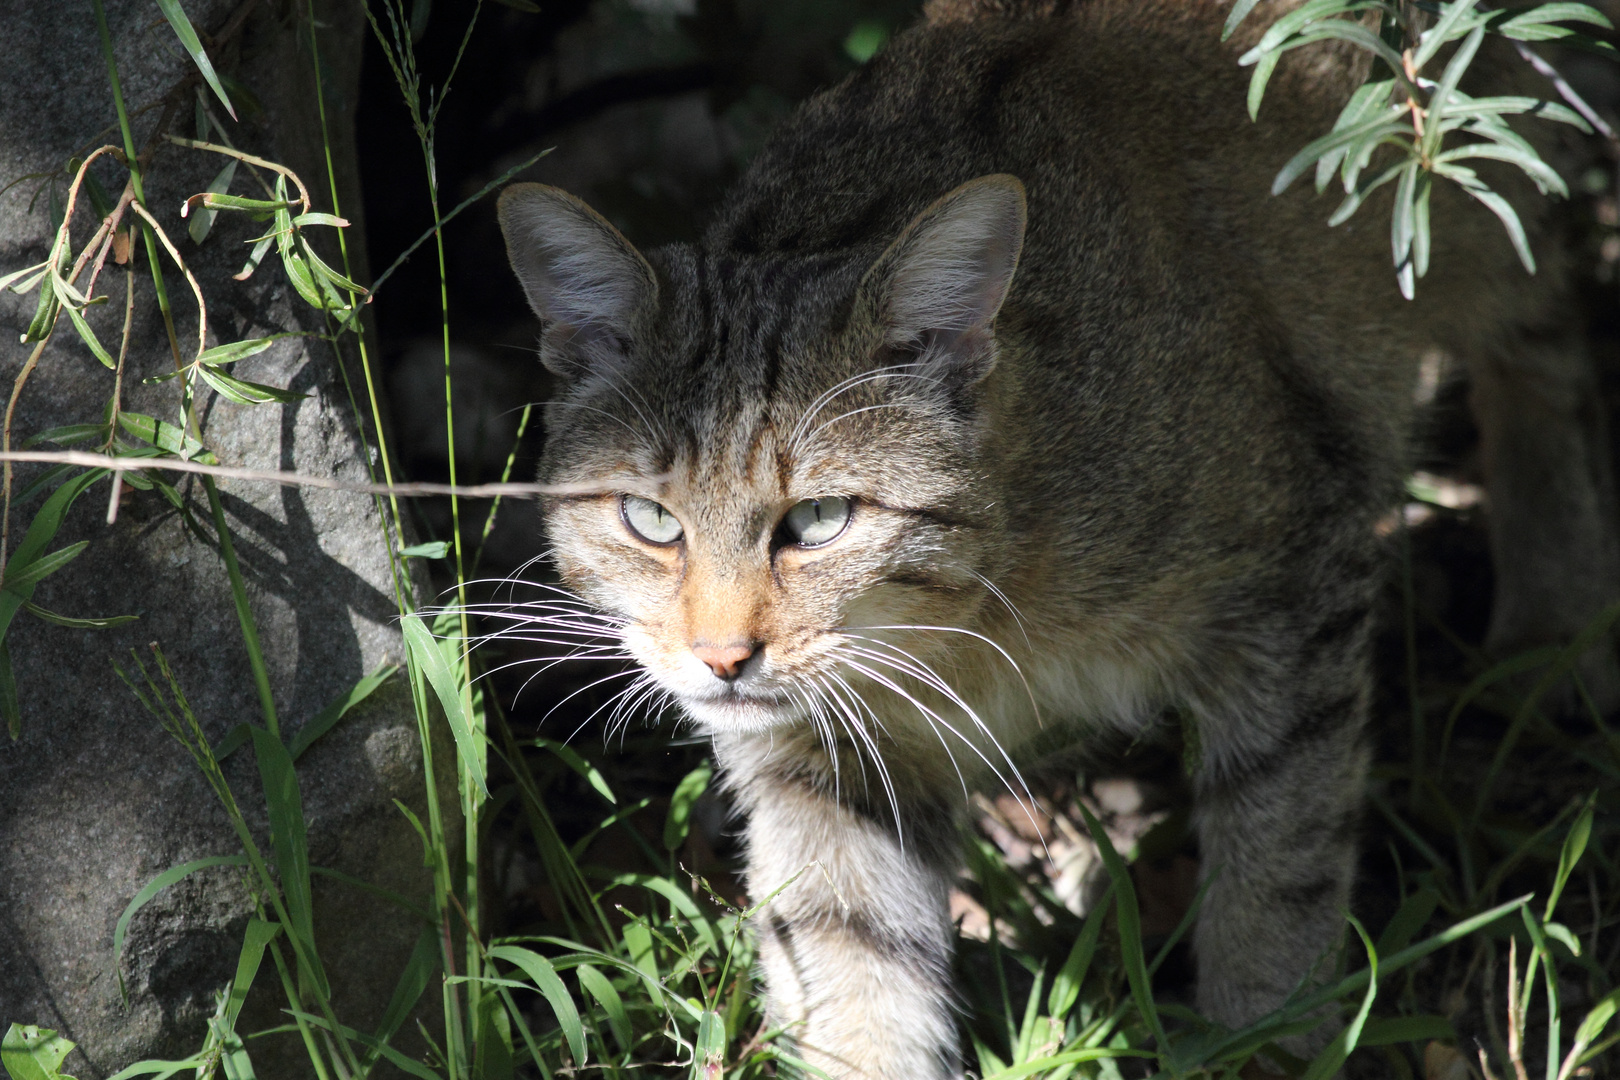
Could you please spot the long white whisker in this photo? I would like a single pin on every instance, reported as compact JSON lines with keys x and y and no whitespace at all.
{"x":826,"y":397}
{"x":1005,"y":655}
{"x":864,"y":408}
{"x":1017,"y":615}
{"x":865,"y":736}
{"x":580,"y":690}
{"x":929,"y":717}
{"x":967,"y":710}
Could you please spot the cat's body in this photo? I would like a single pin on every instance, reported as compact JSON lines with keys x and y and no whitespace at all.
{"x":1145,"y":484}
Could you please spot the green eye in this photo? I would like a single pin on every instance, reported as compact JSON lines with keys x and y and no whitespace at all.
{"x":649,"y":521}
{"x":814,"y":522}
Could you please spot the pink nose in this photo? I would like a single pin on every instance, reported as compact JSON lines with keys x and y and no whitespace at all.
{"x":724,"y":660}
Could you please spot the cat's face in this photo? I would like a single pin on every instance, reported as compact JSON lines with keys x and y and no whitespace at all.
{"x":770,"y":462}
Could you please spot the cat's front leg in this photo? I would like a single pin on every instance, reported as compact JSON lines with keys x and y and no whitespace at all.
{"x":1279,"y":790}
{"x":856,"y":951}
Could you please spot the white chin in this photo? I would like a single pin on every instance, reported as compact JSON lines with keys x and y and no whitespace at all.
{"x":741,"y":713}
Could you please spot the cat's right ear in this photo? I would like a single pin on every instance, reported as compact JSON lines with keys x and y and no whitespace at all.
{"x":587,"y":283}
{"x":938,"y":287}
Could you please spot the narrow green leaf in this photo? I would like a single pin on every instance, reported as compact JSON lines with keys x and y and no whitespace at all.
{"x":1420,"y":225}
{"x":593,"y":982}
{"x":243,"y":392}
{"x":679,"y":820}
{"x":1257,"y":82}
{"x":1352,"y":202}
{"x":32,"y":573}
{"x":544,"y":976}
{"x":82,"y":325}
{"x":165,"y":436}
{"x":1072,"y":975}
{"x":1574,"y":847}
{"x":256,"y":256}
{"x":202,"y":220}
{"x":1598,"y":1018}
{"x":241,"y":350}
{"x":1400,"y":228}
{"x":69,"y":435}
{"x":76,"y":624}
{"x":337,"y":708}
{"x":1328,"y":1062}
{"x":1406,"y":1029}
{"x":1445,"y":29}
{"x":638,"y":946}
{"x":188,"y":40}
{"x":1413,"y":914}
{"x":45,"y":312}
{"x":1542,"y":14}
{"x":1496,"y":205}
{"x":258,"y":935}
{"x":1235,"y":17}
{"x":1374,"y":127}
{"x":10,"y":709}
{"x":153,"y":887}
{"x":413,"y":981}
{"x":436,"y":549}
{"x":1440,"y":97}
{"x":8,"y":280}
{"x":315,"y":218}
{"x":591,"y":773}
{"x":159,"y":1070}
{"x":1368,"y":99}
{"x":1544,"y":176}
{"x":430,"y":661}
{"x":288,"y":838}
{"x":1130,"y":928}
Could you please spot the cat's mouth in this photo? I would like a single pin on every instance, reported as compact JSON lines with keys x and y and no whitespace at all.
{"x":733,"y":708}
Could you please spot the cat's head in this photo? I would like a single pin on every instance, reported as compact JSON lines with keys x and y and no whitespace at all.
{"x":773,"y":460}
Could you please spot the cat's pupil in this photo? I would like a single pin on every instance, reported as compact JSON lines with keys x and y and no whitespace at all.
{"x":816,"y":521}
{"x":649,"y":520}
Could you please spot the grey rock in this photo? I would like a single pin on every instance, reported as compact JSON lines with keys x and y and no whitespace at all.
{"x":95,"y":799}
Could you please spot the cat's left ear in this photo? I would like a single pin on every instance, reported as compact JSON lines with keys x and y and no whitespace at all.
{"x":586,"y":282}
{"x":938,"y":287}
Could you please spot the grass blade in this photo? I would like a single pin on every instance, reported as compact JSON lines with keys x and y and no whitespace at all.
{"x":188,"y":40}
{"x":430,"y":661}
{"x":323,"y":721}
{"x":153,"y":887}
{"x":544,"y":976}
{"x":1130,"y":927}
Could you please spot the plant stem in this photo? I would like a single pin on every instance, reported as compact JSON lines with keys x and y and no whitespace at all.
{"x":250,"y":632}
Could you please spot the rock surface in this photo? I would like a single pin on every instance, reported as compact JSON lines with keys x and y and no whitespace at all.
{"x":95,"y":799}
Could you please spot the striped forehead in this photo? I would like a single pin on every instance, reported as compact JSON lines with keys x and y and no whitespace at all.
{"x":748,"y":353}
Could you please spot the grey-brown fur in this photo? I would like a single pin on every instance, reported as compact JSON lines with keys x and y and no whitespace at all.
{"x":1150,"y":477}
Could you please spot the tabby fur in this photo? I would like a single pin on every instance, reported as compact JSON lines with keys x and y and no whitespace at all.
{"x":1118,"y":427}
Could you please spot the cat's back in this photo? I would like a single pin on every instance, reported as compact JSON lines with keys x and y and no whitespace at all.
{"x":1147,"y":181}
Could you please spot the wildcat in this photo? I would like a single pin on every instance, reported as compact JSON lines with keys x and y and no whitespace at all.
{"x":1002,"y":403}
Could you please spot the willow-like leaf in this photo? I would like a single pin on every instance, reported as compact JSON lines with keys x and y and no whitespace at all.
{"x":1363,"y":104}
{"x":1373,"y":128}
{"x":1445,"y":29}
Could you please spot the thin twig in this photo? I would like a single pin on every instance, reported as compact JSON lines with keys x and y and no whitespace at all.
{"x":11,"y":408}
{"x":303,"y":192}
{"x":412,"y":490}
{"x":1566,"y":91}
{"x":196,"y":290}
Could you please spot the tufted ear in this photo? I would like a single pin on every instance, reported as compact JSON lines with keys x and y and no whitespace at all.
{"x":938,"y":287}
{"x":585,"y":281}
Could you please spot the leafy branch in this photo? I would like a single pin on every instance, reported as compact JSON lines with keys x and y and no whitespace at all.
{"x":1420,"y":118}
